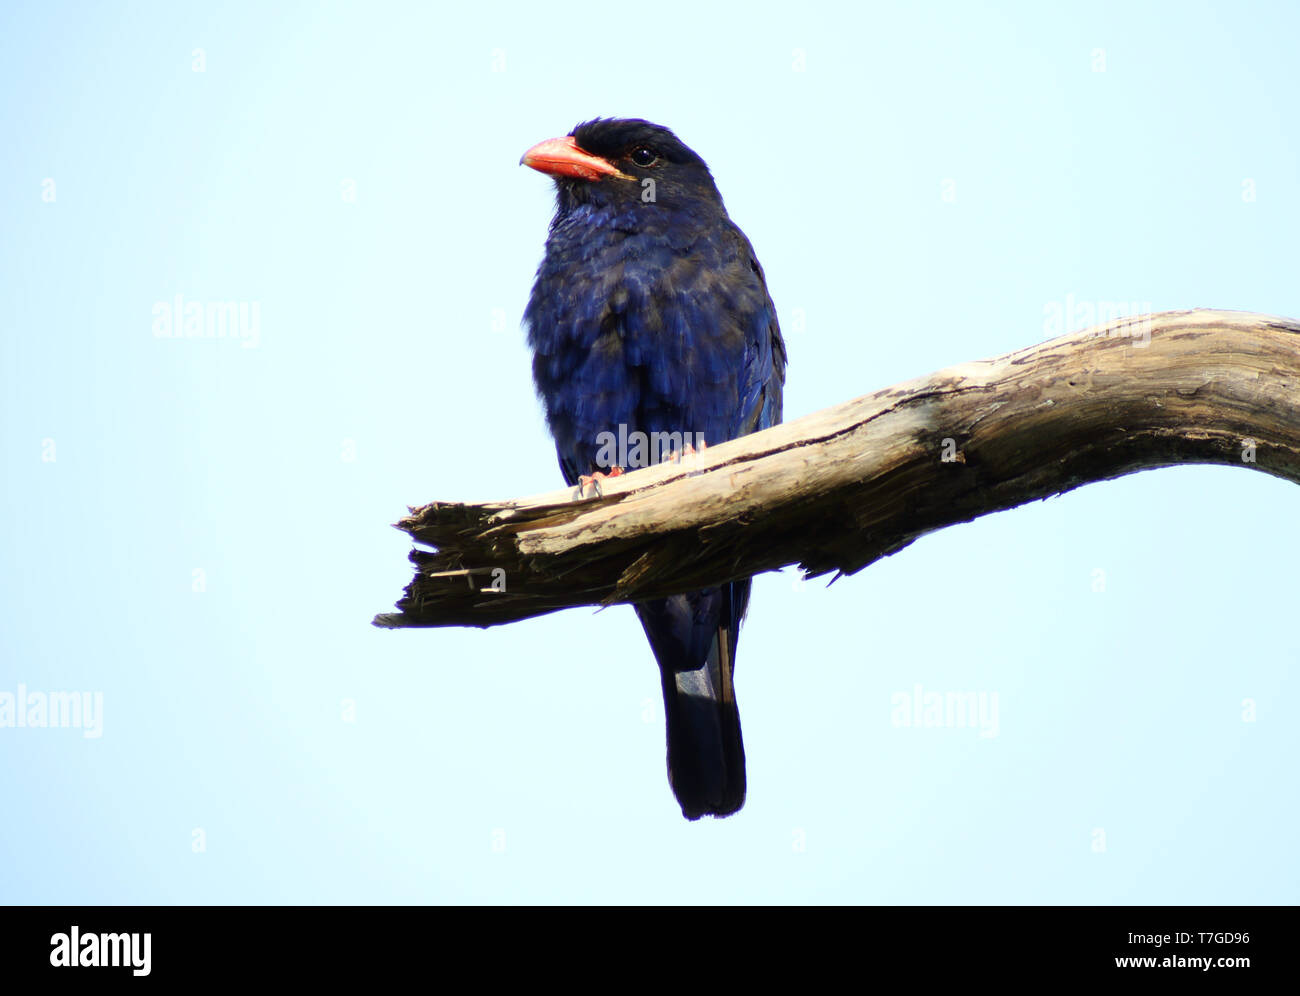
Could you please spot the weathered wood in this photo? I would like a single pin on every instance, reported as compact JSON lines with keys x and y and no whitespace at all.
{"x":841,"y":488}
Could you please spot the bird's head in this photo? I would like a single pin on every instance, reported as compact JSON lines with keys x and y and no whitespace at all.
{"x":619,"y":162}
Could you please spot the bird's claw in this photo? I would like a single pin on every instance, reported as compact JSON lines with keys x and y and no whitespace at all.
{"x":688,"y":450}
{"x":593,"y":481}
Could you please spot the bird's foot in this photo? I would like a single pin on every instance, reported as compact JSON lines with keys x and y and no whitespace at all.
{"x":674,"y":456}
{"x":593,"y":481}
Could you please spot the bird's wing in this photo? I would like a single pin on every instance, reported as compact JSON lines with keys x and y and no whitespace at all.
{"x":762,"y":378}
{"x":708,"y":340}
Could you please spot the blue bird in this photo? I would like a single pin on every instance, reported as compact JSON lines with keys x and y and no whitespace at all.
{"x":651,"y":327}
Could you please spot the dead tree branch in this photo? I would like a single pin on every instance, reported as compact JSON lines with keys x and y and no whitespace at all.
{"x":839,"y":489}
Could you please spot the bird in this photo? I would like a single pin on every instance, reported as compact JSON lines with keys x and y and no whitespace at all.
{"x":650,"y":319}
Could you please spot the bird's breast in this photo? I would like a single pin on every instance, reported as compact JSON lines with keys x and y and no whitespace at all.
{"x":633,"y":332}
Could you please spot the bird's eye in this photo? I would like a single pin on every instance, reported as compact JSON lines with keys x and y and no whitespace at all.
{"x":644,"y":157}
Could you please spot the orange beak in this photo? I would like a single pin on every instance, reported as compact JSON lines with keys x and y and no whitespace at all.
{"x":561,"y":157}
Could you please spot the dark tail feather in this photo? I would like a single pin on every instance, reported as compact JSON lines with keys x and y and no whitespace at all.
{"x":706,"y":756}
{"x":694,"y":640}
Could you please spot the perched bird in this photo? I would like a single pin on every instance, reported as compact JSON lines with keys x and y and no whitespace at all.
{"x":650,"y":315}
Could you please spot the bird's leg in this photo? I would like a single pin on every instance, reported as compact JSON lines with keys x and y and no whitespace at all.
{"x":593,"y":481}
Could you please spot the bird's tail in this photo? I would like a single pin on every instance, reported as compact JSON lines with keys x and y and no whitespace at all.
{"x":694,"y":640}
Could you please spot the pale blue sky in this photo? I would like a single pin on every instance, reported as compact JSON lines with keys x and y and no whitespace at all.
{"x":921,"y":184}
